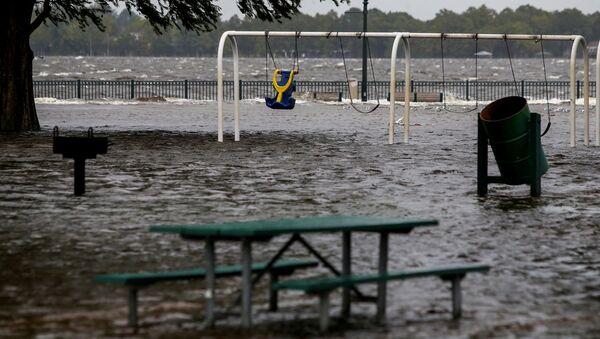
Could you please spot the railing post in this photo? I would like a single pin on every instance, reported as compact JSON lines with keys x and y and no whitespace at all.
{"x":578,"y":89}
{"x":132,"y":89}
{"x":522,"y":88}
{"x":240,"y":89}
{"x":412,"y":86}
{"x":185,"y":89}
{"x":78,"y":89}
{"x":467,"y":89}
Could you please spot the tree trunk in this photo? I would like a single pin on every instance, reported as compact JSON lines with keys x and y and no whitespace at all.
{"x":17,"y":106}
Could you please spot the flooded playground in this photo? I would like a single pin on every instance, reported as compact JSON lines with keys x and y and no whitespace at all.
{"x":164,"y":166}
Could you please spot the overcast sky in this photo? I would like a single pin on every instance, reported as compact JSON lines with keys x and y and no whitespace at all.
{"x":426,"y":9}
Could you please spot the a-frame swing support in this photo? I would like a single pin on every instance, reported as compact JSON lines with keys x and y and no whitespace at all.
{"x":598,"y":95}
{"x":578,"y":41}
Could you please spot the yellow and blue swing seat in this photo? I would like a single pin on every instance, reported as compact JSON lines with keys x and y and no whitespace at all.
{"x":284,"y":87}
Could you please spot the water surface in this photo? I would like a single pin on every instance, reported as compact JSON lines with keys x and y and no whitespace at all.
{"x":165,"y":166}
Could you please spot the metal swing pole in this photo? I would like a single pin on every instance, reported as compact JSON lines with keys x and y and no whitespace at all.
{"x":598,"y":95}
{"x":364,"y":54}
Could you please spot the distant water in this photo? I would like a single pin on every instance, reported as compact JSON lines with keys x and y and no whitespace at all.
{"x":169,"y":68}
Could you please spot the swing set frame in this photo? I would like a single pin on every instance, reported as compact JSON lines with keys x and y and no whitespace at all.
{"x":405,"y":37}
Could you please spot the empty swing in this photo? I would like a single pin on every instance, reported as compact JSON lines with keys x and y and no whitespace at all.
{"x":372,"y":109}
{"x":546,"y":89}
{"x":282,"y":80}
{"x":476,"y":54}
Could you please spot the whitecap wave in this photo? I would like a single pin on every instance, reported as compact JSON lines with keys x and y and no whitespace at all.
{"x":108,"y":101}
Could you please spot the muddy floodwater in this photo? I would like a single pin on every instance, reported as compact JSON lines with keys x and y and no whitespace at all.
{"x":164,"y":166}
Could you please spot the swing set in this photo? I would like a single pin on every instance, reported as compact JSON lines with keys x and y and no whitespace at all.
{"x":284,"y":86}
{"x":512,"y":70}
{"x":283,"y":79}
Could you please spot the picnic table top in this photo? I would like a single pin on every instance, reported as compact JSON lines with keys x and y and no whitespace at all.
{"x":274,"y":227}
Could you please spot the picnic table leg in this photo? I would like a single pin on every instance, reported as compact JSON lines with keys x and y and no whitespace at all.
{"x":273,"y":293}
{"x":246,"y":283}
{"x":329,"y":266}
{"x":268,"y":268}
{"x":132,"y":301}
{"x":456,"y":297}
{"x":209,"y":321}
{"x":346,"y":271}
{"x":324,"y":311}
{"x":382,"y":286}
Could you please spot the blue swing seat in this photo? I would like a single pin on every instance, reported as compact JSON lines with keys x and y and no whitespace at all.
{"x":285,"y":86}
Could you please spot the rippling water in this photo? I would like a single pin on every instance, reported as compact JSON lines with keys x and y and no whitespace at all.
{"x":163,"y":68}
{"x":165,"y":166}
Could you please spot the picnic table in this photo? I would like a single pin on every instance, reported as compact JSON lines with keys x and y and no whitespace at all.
{"x":248,"y":232}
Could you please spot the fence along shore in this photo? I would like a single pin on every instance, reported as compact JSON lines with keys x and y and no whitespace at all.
{"x":467,"y":90}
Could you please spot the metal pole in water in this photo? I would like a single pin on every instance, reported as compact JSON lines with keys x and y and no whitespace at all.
{"x":209,"y":296}
{"x":246,"y":283}
{"x":364,"y":54}
{"x":346,"y":271}
{"x":79,"y":175}
{"x":598,"y":95}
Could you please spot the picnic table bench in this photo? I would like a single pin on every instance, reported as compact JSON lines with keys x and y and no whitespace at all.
{"x":323,"y":286}
{"x":136,"y":281}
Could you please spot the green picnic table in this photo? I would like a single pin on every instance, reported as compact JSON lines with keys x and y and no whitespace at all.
{"x":263,"y":230}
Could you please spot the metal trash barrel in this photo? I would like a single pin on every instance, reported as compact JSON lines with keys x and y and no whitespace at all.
{"x":506,"y":123}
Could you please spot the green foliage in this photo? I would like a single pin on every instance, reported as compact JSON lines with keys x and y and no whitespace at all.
{"x":128,"y":33}
{"x":162,"y":15}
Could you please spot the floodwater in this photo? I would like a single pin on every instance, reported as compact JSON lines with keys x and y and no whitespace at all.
{"x":314,"y":69}
{"x":164,"y":165}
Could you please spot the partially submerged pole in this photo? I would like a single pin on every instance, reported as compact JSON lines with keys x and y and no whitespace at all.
{"x":79,"y":149}
{"x":364,"y":54}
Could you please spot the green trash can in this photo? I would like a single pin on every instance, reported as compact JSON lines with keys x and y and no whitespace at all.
{"x":506,"y":123}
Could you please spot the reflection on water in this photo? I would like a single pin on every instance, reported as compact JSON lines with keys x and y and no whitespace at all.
{"x":164,"y":166}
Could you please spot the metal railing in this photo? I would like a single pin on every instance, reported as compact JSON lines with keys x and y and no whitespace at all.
{"x":250,"y":89}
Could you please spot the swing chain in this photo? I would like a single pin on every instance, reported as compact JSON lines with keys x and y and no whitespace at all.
{"x":373,"y":71}
{"x":296,"y":61}
{"x":511,"y":64}
{"x":540,"y":40}
{"x":348,"y":80}
{"x":268,"y":51}
{"x":476,"y":38}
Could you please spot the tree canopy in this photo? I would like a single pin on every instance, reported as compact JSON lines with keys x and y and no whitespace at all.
{"x":127,"y":34}
{"x":190,"y":15}
{"x":20,"y":18}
